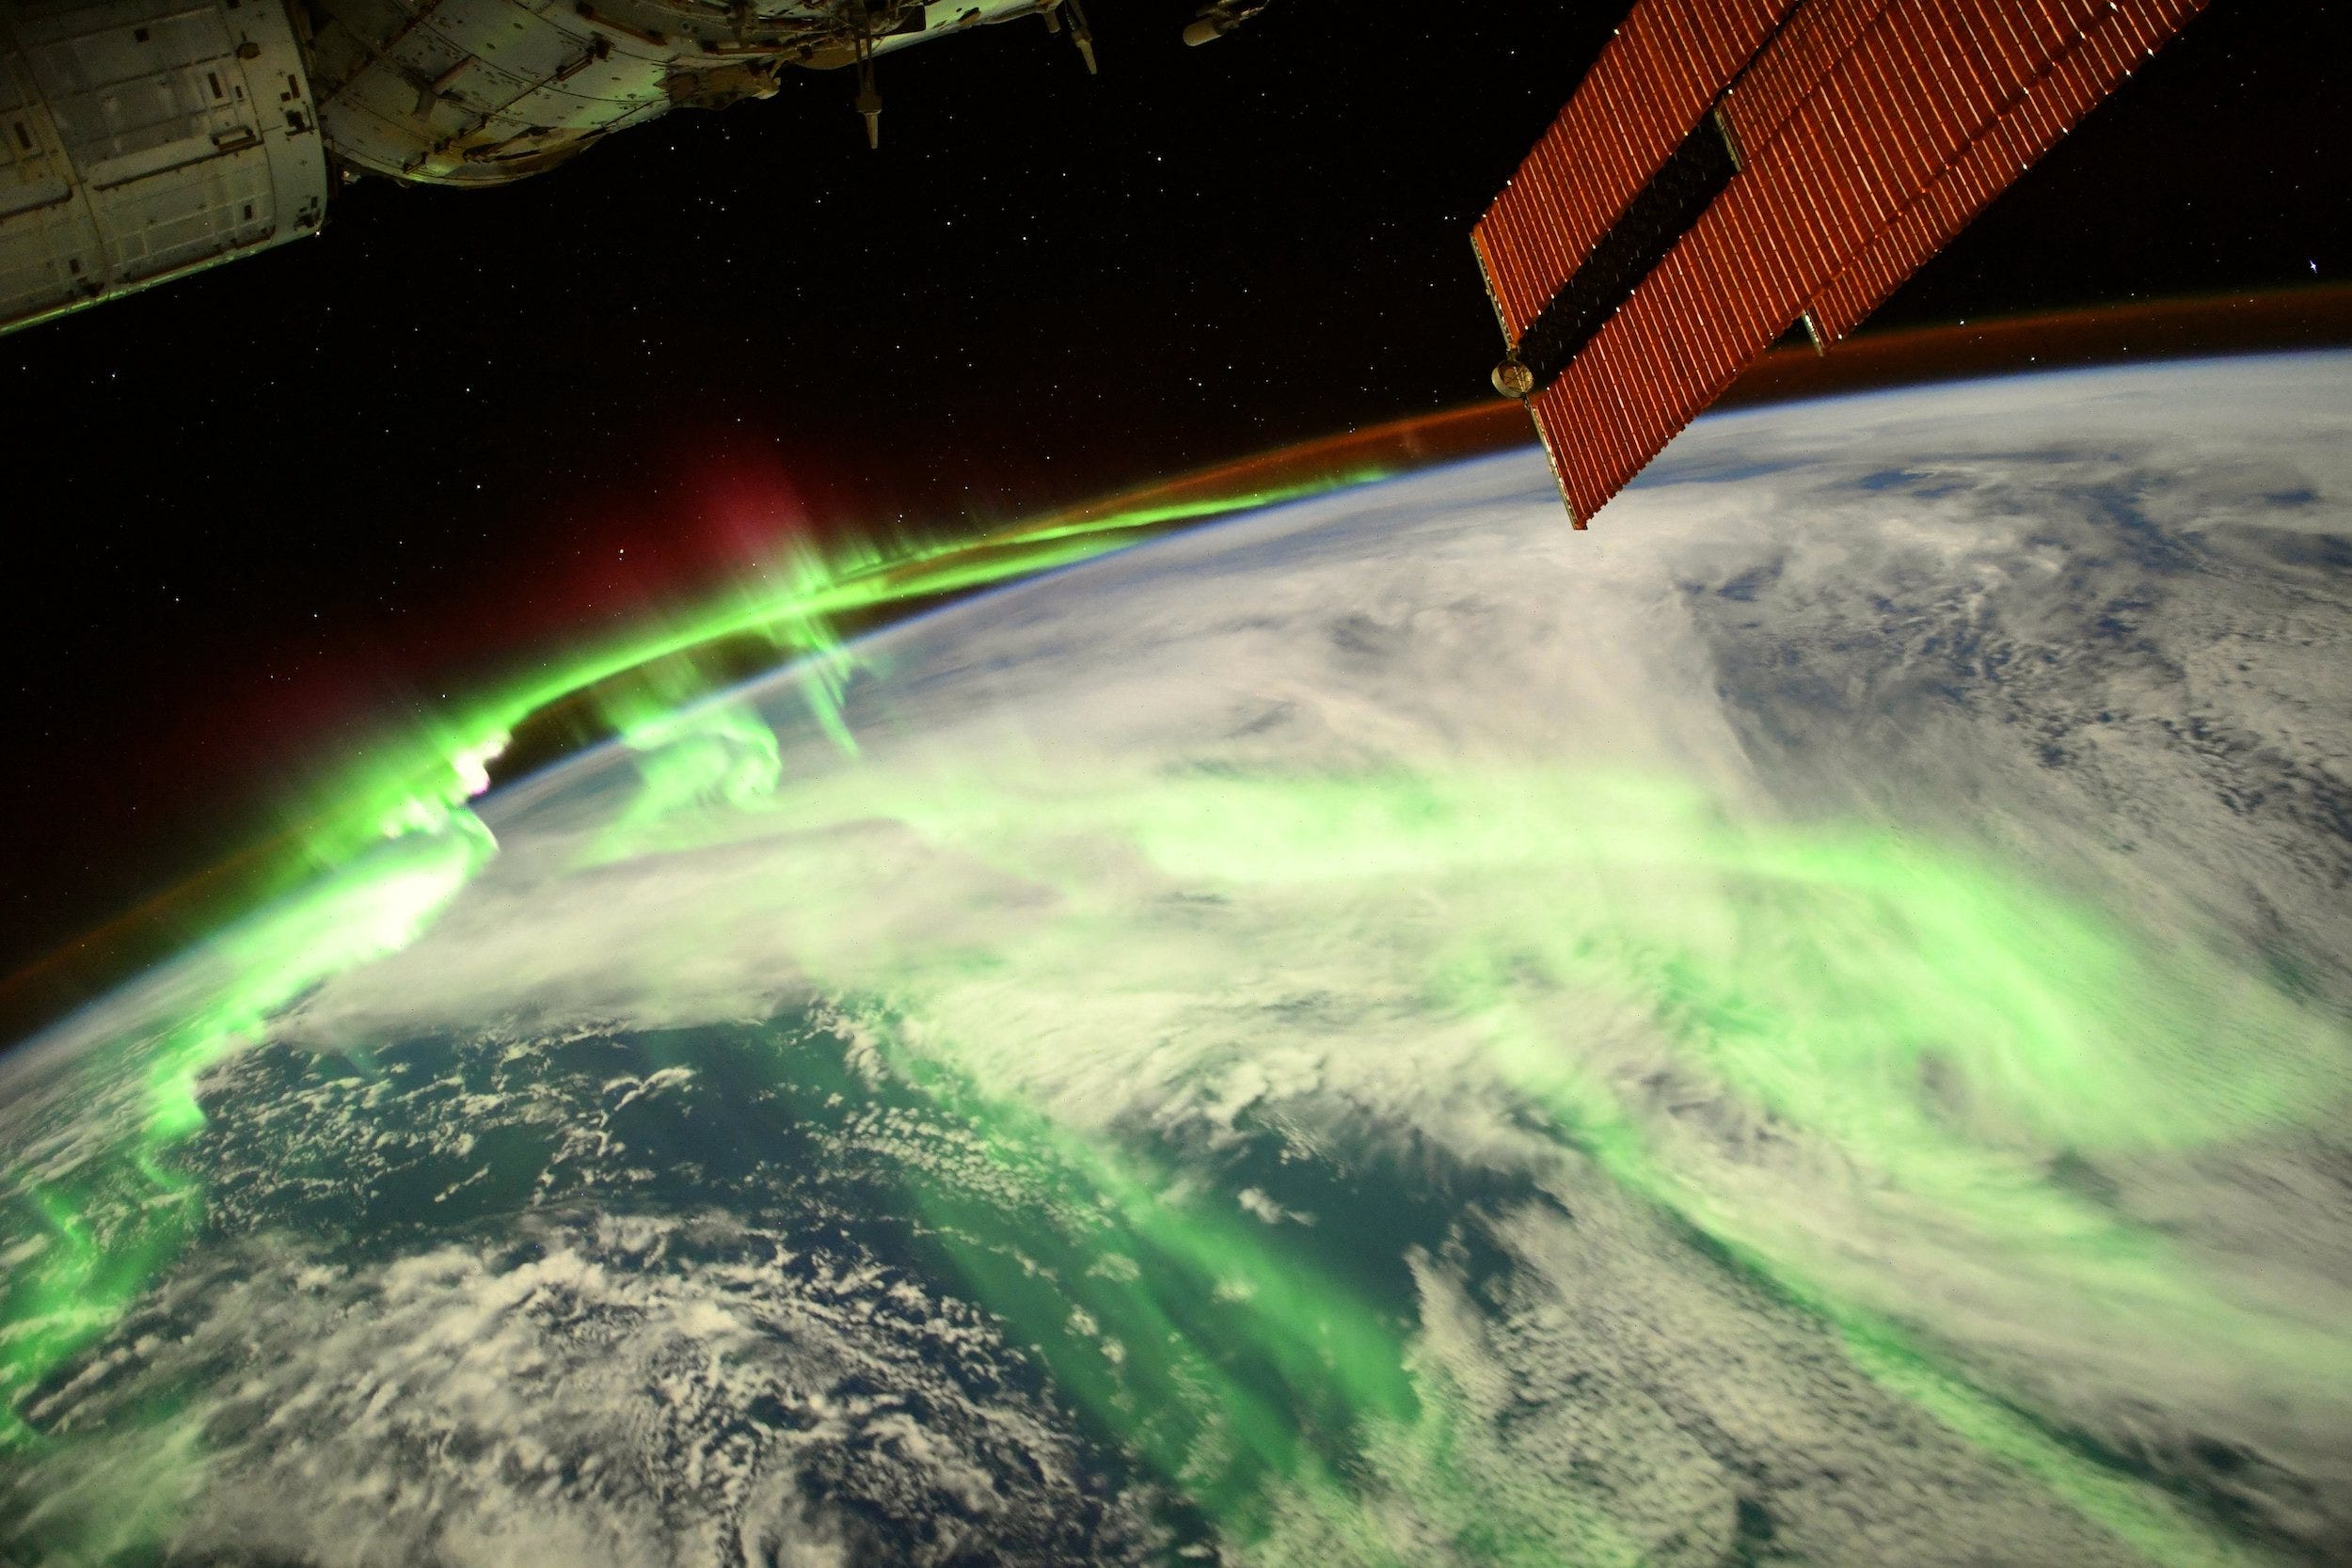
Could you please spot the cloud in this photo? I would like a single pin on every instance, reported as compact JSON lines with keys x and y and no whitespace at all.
{"x":1883,"y":868}
{"x":586,"y":1391}
{"x":1889,"y":903}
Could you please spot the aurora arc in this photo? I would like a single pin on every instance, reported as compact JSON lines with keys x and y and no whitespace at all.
{"x":2036,"y":1012}
{"x":385,"y":845}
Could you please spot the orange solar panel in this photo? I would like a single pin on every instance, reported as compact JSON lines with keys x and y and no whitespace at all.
{"x":1648,"y":250}
{"x":1810,"y":44}
{"x":2075,"y":83}
{"x":1626,"y":118}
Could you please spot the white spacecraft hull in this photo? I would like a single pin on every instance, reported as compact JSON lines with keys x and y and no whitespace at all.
{"x":141,"y":140}
{"x":147,"y":139}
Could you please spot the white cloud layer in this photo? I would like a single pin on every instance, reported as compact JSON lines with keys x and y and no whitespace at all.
{"x":1902,"y":848}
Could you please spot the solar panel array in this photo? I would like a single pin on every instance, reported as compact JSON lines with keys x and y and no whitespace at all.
{"x":1870,"y":132}
{"x":2075,"y":83}
{"x":1653,"y":82}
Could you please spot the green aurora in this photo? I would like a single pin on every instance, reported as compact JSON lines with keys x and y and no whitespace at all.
{"x":388,"y":844}
{"x":1817,"y":976}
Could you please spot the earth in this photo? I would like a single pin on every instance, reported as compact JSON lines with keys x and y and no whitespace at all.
{"x":1807,"y":1025}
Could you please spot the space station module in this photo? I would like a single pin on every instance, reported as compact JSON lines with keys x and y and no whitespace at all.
{"x":142,"y":141}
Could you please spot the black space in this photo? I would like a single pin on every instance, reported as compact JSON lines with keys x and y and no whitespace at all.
{"x":251,"y":509}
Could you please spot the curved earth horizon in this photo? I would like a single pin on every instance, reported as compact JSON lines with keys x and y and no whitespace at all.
{"x":1811,"y":1026}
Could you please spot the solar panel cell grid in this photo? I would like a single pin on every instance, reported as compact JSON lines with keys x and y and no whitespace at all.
{"x":1835,"y":198}
{"x":2041,"y":30}
{"x":1495,"y":262}
{"x":1682,"y":322}
{"x":1945,"y":86}
{"x":1872,"y":131}
{"x":1642,"y":379}
{"x":2016,"y":38}
{"x":1580,"y":218}
{"x":1794,"y":225}
{"x":1797,"y":60}
{"x":1593,"y":476}
{"x":1609,"y":391}
{"x":1684,"y":62}
{"x":1748,"y":309}
{"x":1613,"y":151}
{"x":1757,"y":220}
{"x":1812,"y":43}
{"x":1645,"y":80}
{"x":2074,"y":82}
{"x":1697,"y":313}
{"x":1872,"y":172}
{"x":1602,"y":435}
{"x":1960,"y":83}
{"x":1559,"y":451}
{"x":1680,"y":288}
{"x":1586,"y":430}
{"x":1544,"y":234}
{"x":1503,"y":228}
{"x":1711,"y":30}
{"x":1885,"y":97}
{"x":1654,"y":350}
{"x":1537,"y":242}
{"x":1652,"y":82}
{"x":1985,"y":59}
{"x":1806,"y":227}
{"x":1570,"y":446}
{"x":1653,"y":129}
{"x":2032,"y":40}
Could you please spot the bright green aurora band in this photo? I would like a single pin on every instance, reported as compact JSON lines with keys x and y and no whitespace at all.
{"x":394,"y":841}
{"x":1815,"y":975}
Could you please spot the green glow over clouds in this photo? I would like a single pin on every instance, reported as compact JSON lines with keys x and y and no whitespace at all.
{"x":1931,"y":1021}
{"x":383,"y":848}
{"x":1933,"y":1024}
